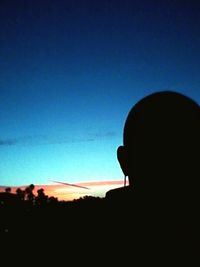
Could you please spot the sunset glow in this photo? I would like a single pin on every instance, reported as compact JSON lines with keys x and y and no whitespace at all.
{"x":68,"y":193}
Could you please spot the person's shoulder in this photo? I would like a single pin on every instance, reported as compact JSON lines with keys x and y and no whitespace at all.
{"x":122,"y":202}
{"x":119,"y":194}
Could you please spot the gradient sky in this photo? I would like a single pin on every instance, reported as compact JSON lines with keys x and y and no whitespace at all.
{"x":71,"y":70}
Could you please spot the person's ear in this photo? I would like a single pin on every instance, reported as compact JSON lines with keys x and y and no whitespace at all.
{"x":123,"y":159}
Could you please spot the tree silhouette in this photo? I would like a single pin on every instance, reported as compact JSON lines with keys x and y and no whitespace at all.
{"x":8,"y":190}
{"x":29,"y":193}
{"x":41,"y":198}
{"x":20,"y":194}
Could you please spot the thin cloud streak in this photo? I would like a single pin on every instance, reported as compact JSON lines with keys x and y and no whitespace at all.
{"x":39,"y":140}
{"x":8,"y":142}
{"x":23,"y":140}
{"x":75,"y":185}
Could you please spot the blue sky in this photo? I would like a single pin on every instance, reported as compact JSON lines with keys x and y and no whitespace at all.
{"x":70,"y":72}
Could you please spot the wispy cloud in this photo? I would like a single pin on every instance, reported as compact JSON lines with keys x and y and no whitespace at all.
{"x":50,"y":140}
{"x":22,"y":140}
{"x":104,"y":135}
{"x":8,"y":142}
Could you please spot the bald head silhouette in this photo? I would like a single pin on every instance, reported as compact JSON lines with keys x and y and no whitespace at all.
{"x":160,"y":156}
{"x":161,"y":145}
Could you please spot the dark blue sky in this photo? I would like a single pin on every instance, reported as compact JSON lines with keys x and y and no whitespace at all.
{"x":70,"y":72}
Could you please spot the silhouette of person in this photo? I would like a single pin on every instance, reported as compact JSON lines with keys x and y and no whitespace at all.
{"x":160,"y":156}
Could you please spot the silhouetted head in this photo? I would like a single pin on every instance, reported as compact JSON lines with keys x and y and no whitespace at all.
{"x":161,"y":143}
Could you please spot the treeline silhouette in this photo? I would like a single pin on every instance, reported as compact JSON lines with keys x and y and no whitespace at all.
{"x":24,"y":213}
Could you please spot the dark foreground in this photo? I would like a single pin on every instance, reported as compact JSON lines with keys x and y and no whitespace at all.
{"x":92,"y":227}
